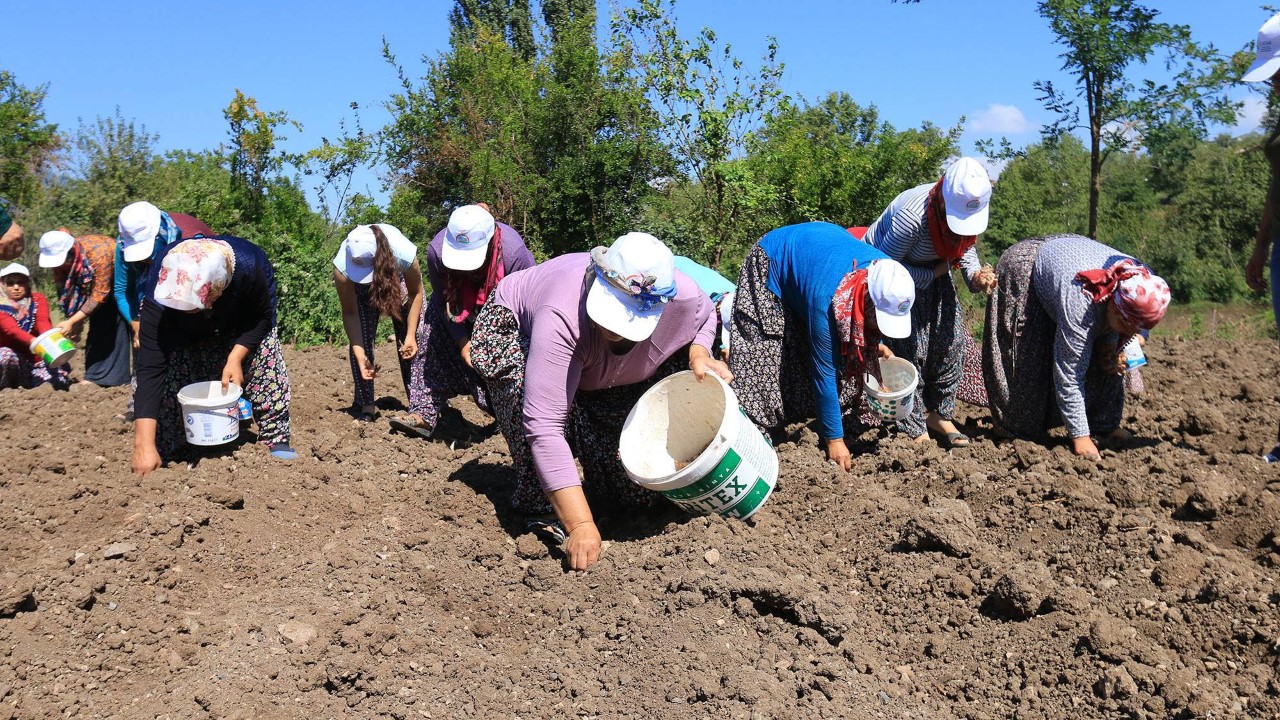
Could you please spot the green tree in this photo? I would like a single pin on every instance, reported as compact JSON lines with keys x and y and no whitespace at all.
{"x":113,"y":160}
{"x":27,"y":141}
{"x":837,"y":161}
{"x":1042,"y":192}
{"x":708,"y":105}
{"x":254,"y":156}
{"x":510,"y":20}
{"x":1103,"y":38}
{"x":561,"y":145}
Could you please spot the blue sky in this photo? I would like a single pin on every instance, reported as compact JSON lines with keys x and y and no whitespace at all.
{"x":173,"y":66}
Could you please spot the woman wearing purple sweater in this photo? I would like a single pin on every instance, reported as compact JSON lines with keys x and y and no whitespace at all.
{"x":567,"y":348}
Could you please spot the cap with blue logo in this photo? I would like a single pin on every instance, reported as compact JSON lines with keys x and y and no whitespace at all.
{"x":466,"y":239}
{"x":966,"y":191}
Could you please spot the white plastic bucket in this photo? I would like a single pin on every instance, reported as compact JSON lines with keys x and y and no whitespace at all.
{"x":53,"y":348}
{"x":691,"y":442}
{"x":896,"y":398}
{"x":209,"y":416}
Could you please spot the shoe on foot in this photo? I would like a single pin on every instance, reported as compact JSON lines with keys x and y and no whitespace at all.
{"x":281,"y":451}
{"x":1273,"y":456}
{"x":413,"y":426}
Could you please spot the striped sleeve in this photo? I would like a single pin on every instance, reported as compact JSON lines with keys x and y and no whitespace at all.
{"x":901,"y":229}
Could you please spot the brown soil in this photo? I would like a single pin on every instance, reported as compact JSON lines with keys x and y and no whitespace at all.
{"x":380,"y":576}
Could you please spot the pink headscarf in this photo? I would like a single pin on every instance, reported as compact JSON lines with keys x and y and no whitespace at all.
{"x":1142,"y":297}
{"x":194,"y":274}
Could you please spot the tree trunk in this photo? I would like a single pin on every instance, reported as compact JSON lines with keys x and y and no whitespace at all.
{"x":1095,"y":181}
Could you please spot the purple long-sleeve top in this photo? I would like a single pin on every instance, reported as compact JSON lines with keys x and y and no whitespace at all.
{"x":515,"y":256}
{"x":566,"y":353}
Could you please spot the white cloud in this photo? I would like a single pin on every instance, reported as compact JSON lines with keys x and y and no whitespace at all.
{"x":1000,"y":119}
{"x":1249,"y":118}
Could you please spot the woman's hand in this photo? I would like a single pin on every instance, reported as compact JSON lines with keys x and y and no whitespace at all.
{"x":232,"y":372}
{"x":408,"y":348}
{"x":985,"y":280}
{"x":136,"y":326}
{"x":145,"y":460}
{"x":583,"y":545}
{"x":367,"y":369}
{"x":466,"y":354}
{"x":838,"y":453}
{"x":1084,"y":447}
{"x":69,"y":327}
{"x":1253,"y":269}
{"x":884,"y":351}
{"x":701,"y":362}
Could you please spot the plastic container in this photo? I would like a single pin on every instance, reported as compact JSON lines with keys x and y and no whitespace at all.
{"x":53,"y":348}
{"x":1134,"y":358}
{"x":895,"y":399}
{"x":690,"y":441}
{"x":209,"y":416}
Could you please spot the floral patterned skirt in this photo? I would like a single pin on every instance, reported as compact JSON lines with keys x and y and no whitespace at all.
{"x":266,"y":387}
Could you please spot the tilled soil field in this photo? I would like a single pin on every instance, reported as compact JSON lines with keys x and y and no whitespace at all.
{"x":384,"y":577}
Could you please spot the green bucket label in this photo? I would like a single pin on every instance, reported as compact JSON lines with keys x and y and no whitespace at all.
{"x":728,"y":464}
{"x":750,"y":501}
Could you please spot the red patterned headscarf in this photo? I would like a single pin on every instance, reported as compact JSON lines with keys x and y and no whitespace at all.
{"x":1141,"y":296}
{"x":849,"y":305}
{"x":463,"y":297}
{"x":946,"y":244}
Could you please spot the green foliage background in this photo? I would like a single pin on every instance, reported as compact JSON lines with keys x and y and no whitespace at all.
{"x":575,"y":138}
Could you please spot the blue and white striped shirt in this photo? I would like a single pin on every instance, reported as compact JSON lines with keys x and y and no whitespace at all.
{"x":902,"y":233}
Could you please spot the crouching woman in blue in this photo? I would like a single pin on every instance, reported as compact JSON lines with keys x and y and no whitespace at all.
{"x":211,"y":314}
{"x":804,"y":332}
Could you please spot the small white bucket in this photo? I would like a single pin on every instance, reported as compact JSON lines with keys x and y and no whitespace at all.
{"x":53,"y":348}
{"x":209,"y":416}
{"x":691,"y":442}
{"x":895,"y":399}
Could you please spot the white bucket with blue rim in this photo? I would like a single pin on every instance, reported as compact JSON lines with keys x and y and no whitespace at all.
{"x":210,"y":416}
{"x":691,"y":442}
{"x":895,"y":398}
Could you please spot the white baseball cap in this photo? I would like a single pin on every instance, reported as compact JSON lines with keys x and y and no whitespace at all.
{"x":893,"y":292}
{"x":139,"y":225}
{"x":966,"y":192}
{"x":466,"y":239}
{"x":54,"y":246}
{"x":14,"y":269}
{"x":1268,"y":49}
{"x":641,"y":264}
{"x":355,"y":256}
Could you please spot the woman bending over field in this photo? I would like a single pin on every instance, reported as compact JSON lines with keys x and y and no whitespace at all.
{"x":1062,"y":308}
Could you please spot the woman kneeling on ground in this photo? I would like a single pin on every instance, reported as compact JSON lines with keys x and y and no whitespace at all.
{"x":465,"y":262}
{"x":376,"y":273}
{"x":211,"y":314}
{"x":567,"y":348}
{"x":1062,"y":308}
{"x":803,"y":333}
{"x":23,"y":316}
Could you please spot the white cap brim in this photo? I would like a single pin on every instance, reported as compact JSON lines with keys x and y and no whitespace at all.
{"x":1262,"y":69}
{"x":608,"y":308}
{"x":137,"y":252}
{"x":14,"y":269}
{"x":893,"y":326}
{"x":354,"y":273}
{"x":53,"y":261}
{"x":456,"y":258}
{"x":974,"y":223}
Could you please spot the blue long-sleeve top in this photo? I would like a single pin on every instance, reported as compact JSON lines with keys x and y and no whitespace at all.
{"x":129,"y":280}
{"x":242,"y":315}
{"x":806,"y":264}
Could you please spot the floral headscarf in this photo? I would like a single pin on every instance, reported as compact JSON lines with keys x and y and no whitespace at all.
{"x":1141,"y":296}
{"x":194,"y":274}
